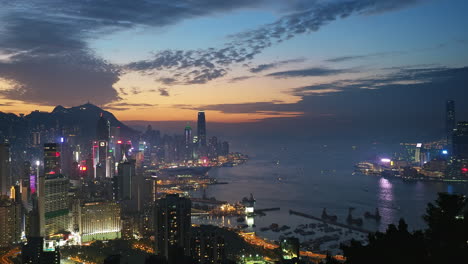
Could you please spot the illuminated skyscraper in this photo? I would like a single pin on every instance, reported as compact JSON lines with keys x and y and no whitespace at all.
{"x":5,"y":173}
{"x":55,"y":203}
{"x":188,"y":141}
{"x":102,"y":160}
{"x":52,"y":159}
{"x":172,"y":225}
{"x":207,"y":245}
{"x":450,"y":121}
{"x":201,"y":129}
{"x":10,"y":222}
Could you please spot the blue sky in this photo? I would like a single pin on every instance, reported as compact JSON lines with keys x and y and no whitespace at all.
{"x":171,"y":58}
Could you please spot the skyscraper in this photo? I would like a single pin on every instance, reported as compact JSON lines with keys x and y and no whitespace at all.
{"x":449,"y":120}
{"x":201,"y":129}
{"x":124,"y":180}
{"x":102,"y":160}
{"x":55,"y":203}
{"x":172,"y":226}
{"x":103,"y":128}
{"x":188,"y":142}
{"x":460,"y":141}
{"x":5,"y":176}
{"x":207,"y":245}
{"x":10,"y":222}
{"x":52,"y":159}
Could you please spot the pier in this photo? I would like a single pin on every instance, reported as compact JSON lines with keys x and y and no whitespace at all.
{"x":330,"y":223}
{"x":267,"y":209}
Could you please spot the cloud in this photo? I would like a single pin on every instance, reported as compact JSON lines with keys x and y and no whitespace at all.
{"x":264,"y":67}
{"x":46,"y":43}
{"x":122,"y":106}
{"x":163,"y":92}
{"x":392,"y":93}
{"x":240,"y":78}
{"x":315,"y":71}
{"x":66,"y":79}
{"x":203,"y":65}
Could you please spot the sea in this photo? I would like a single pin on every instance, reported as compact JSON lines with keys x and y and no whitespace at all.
{"x":308,"y":176}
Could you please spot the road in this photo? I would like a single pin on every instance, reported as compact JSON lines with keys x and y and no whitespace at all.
{"x":252,"y":239}
{"x":5,"y":258}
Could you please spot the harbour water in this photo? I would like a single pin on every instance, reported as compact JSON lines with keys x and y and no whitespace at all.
{"x":310,"y":176}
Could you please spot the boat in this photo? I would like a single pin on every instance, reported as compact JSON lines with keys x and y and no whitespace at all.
{"x":241,"y":219}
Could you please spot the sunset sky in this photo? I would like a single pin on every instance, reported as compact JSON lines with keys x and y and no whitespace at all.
{"x":241,"y":61}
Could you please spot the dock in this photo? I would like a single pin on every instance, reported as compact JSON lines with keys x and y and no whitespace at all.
{"x":330,"y":223}
{"x":267,"y":209}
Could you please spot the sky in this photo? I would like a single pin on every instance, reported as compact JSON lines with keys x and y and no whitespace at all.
{"x":361,"y":66}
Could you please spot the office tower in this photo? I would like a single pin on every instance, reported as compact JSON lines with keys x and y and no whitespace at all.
{"x":123,"y":181}
{"x":52,"y":157}
{"x":450,"y":121}
{"x":5,"y":172}
{"x":114,"y":138}
{"x":53,"y":203}
{"x":102,"y":161}
{"x":207,"y":245}
{"x":225,"y":148}
{"x":201,"y":129}
{"x":290,"y":249}
{"x":10,"y":221}
{"x":172,"y":226}
{"x":417,"y":153}
{"x":100,"y":221}
{"x":460,"y":141}
{"x":39,"y":251}
{"x":188,"y":142}
{"x":213,"y":147}
{"x":36,"y":139}
{"x":103,"y":129}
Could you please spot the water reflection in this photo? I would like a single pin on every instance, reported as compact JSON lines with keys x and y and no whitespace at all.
{"x":386,"y":202}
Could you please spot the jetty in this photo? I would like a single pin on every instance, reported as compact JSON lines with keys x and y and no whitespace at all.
{"x":330,"y":222}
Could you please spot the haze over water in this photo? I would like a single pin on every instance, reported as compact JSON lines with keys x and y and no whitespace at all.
{"x":311,"y":176}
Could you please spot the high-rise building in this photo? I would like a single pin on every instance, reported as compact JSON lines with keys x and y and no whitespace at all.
{"x":103,"y":129}
{"x":102,"y":161}
{"x":5,"y":173}
{"x":460,"y":141}
{"x":188,"y":142}
{"x":201,"y":129}
{"x":207,"y":245}
{"x":54,"y":201}
{"x":225,"y":148}
{"x":450,"y":120}
{"x":10,"y":221}
{"x":172,"y":226}
{"x":52,"y":157}
{"x":100,"y":221}
{"x":124,"y":180}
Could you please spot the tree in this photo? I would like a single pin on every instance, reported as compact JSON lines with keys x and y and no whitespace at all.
{"x":444,"y":241}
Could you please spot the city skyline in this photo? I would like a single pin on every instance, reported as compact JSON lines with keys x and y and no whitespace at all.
{"x":338,"y":64}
